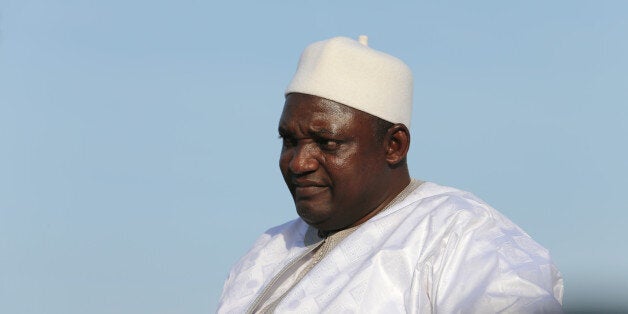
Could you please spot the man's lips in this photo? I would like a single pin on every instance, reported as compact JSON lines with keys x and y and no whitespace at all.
{"x":306,"y":189}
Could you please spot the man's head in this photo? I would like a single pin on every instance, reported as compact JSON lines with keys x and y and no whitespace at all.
{"x":344,"y":130}
{"x":337,"y":167}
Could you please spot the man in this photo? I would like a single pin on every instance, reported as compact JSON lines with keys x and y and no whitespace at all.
{"x":369,"y":238}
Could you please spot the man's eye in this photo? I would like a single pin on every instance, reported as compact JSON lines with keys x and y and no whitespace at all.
{"x":328,"y":144}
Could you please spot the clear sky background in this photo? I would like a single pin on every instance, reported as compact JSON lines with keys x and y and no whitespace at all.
{"x":139,"y":151}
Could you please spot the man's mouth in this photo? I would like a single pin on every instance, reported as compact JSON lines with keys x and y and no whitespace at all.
{"x":307,"y":188}
{"x":306,"y":191}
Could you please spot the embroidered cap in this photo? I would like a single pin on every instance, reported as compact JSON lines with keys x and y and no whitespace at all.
{"x":351,"y":73}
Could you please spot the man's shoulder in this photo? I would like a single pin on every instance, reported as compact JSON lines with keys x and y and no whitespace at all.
{"x":431,"y":190}
{"x":431,"y":198}
{"x":446,"y":211}
{"x":478,"y":238}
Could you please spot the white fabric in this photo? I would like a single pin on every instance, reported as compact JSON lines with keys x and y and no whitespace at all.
{"x":343,"y":70}
{"x":440,"y":250}
{"x":320,"y":248}
{"x":291,"y":276}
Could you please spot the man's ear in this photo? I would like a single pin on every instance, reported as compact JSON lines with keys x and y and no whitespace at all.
{"x":397,"y":144}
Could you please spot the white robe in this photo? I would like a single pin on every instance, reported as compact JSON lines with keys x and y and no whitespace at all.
{"x":440,"y":250}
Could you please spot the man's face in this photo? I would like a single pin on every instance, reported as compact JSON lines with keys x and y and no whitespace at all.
{"x":330,"y":161}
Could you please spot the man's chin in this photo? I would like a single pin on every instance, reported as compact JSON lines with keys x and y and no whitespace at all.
{"x":313,"y":215}
{"x":322,"y":221}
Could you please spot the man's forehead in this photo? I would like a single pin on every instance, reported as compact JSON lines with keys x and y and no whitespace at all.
{"x":315,"y":107}
{"x":317,"y":114}
{"x":317,"y":102}
{"x":316,"y":120}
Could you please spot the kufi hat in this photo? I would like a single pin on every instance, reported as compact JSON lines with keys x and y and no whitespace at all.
{"x":351,"y":73}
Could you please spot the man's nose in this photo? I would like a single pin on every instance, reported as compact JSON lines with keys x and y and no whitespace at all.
{"x":303,"y":160}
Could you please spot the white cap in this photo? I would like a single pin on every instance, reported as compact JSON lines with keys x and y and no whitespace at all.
{"x":349,"y":72}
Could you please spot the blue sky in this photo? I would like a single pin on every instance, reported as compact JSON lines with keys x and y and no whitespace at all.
{"x":138,"y":142}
